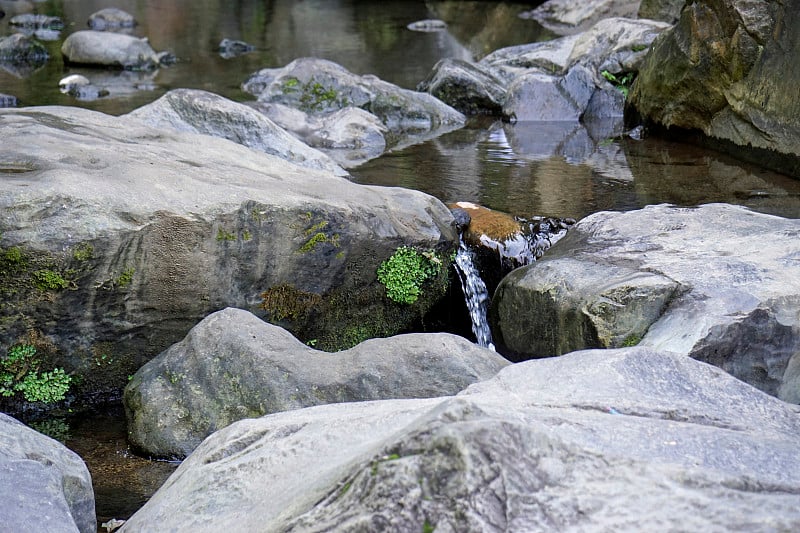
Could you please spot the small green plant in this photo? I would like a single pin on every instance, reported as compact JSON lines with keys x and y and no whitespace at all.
{"x":405,"y":271}
{"x":223,"y":235}
{"x":14,"y":255}
{"x":427,"y":527}
{"x":126,"y":278}
{"x":83,"y":252}
{"x":49,"y":280}
{"x":631,"y":340}
{"x":621,"y":82}
{"x":20,"y":373}
{"x":246,"y":235}
{"x":316,"y":97}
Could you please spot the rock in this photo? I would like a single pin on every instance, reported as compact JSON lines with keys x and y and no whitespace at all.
{"x":710,"y":73}
{"x":112,"y":82}
{"x":547,"y":57}
{"x":21,"y":55}
{"x":44,"y":27}
{"x":604,"y":440}
{"x":229,"y":48}
{"x":668,"y":11}
{"x":195,"y":111}
{"x":465,"y":86}
{"x":566,"y":17}
{"x":80,"y":87}
{"x":45,"y":486}
{"x":539,"y":97}
{"x":318,"y":86}
{"x":136,"y":242}
{"x":719,"y":283}
{"x":111,"y":19}
{"x":233,"y":365}
{"x":107,"y":49}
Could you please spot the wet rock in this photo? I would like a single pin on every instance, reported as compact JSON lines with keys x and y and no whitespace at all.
{"x":113,"y":82}
{"x":229,"y":48}
{"x":538,"y":97}
{"x":195,"y":111}
{"x":710,"y":73}
{"x":155,"y":229}
{"x":603,"y":440}
{"x":111,"y":19}
{"x":22,"y":55}
{"x":233,"y":365}
{"x":318,"y":87}
{"x":672,"y":269}
{"x":566,"y":17}
{"x":668,"y":11}
{"x":465,"y":86}
{"x":107,"y":49}
{"x":80,"y":87}
{"x":428,"y":25}
{"x":43,"y":27}
{"x":45,"y":486}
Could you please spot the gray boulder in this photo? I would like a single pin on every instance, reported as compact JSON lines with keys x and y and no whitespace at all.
{"x":111,"y":19}
{"x":566,"y":17}
{"x":539,"y":97}
{"x":350,"y":136}
{"x":107,"y":49}
{"x":605,"y":440}
{"x":132,"y":235}
{"x":21,"y":55}
{"x":196,"y":111}
{"x":468,"y":87}
{"x":45,"y":486}
{"x":668,"y":11}
{"x":718,"y":283}
{"x":710,"y":73}
{"x":233,"y":365}
{"x":319,"y":87}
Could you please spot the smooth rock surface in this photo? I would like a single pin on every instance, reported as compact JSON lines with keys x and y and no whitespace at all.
{"x":196,"y":111}
{"x":465,"y":86}
{"x":233,"y":365}
{"x":718,"y":282}
{"x":566,"y":17}
{"x":139,"y":233}
{"x":603,"y":440}
{"x":108,"y":49}
{"x":45,"y":486}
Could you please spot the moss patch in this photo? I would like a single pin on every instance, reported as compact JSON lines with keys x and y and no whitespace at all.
{"x":284,"y":302}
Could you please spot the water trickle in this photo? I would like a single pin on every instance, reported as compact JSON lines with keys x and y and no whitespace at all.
{"x":476,"y":294}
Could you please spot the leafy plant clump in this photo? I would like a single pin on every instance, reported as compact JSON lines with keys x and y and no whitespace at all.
{"x":404,"y":273}
{"x":20,"y":372}
{"x":622,"y":82}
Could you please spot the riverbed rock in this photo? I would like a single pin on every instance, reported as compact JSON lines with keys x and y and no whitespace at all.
{"x":108,"y":49}
{"x":234,"y":365}
{"x":132,"y":235}
{"x":466,"y":86}
{"x":7,"y":100}
{"x":319,"y":87}
{"x":196,"y":111}
{"x":719,"y":283}
{"x":45,"y":486}
{"x":668,"y":11}
{"x":711,"y":72}
{"x":566,"y":17}
{"x":601,"y":440}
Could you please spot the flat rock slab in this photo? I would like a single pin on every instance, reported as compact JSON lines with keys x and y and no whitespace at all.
{"x":602,"y":440}
{"x":718,"y":282}
{"x":233,"y":365}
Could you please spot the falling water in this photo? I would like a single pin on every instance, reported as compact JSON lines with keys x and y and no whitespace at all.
{"x":476,"y":294}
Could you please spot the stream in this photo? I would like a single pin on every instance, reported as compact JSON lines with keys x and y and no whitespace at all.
{"x":523,"y":169}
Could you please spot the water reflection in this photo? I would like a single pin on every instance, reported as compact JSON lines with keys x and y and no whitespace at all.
{"x":567,"y":170}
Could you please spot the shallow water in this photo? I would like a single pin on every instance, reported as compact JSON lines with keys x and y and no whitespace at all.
{"x":562,"y":170}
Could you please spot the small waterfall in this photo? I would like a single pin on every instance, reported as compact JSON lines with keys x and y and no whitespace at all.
{"x":476,"y":294}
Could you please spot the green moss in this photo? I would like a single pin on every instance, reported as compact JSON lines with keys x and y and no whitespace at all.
{"x":83,"y":252}
{"x":223,"y":235}
{"x":49,"y":280}
{"x":312,"y":243}
{"x":405,"y":271}
{"x":316,"y":97}
{"x":631,"y":340}
{"x":125,"y":279}
{"x":14,"y":256}
{"x":246,"y":235}
{"x":286,"y":302}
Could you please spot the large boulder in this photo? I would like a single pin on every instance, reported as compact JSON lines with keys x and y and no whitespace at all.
{"x":233,"y":365}
{"x":318,"y":87}
{"x":604,"y":440}
{"x":21,"y":54}
{"x":197,"y":111}
{"x":108,"y":49}
{"x":117,"y":238}
{"x":712,"y":71}
{"x":664,"y":10}
{"x":466,"y":86}
{"x":718,"y":282}
{"x":45,"y":486}
{"x":566,"y":17}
